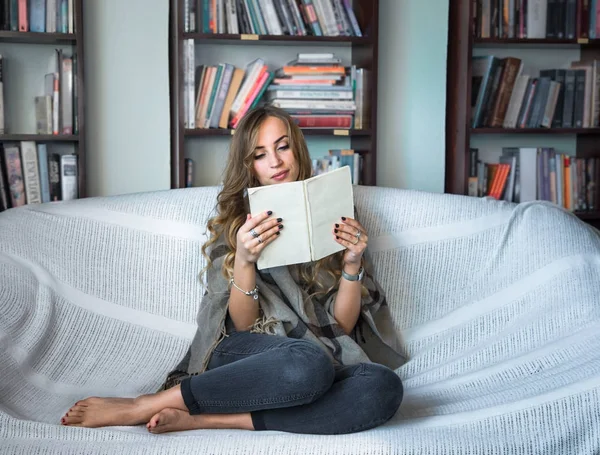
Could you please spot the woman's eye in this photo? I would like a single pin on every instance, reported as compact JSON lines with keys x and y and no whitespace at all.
{"x":258,"y":157}
{"x":283,"y":147}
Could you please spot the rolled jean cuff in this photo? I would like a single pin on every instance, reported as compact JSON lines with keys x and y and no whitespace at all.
{"x":188,"y":396}
{"x":257,"y":421}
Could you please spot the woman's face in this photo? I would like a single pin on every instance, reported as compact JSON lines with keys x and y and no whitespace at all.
{"x":274,"y":160}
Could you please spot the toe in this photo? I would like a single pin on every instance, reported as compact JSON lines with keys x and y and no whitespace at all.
{"x":71,"y":420}
{"x":154,"y":421}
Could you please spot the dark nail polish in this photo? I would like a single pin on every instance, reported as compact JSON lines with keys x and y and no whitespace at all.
{"x":269,"y":213}
{"x":278,"y":233}
{"x":279,"y":220}
{"x":343,"y":218}
{"x":281,"y":226}
{"x":335,"y":230}
{"x":337,"y":237}
{"x":337,"y":225}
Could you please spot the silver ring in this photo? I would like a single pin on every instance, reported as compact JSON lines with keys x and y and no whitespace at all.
{"x":254,"y":233}
{"x":356,"y":243}
{"x":358,"y":234}
{"x":259,"y":239}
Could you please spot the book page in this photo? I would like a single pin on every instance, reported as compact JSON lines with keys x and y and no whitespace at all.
{"x":286,"y":200}
{"x":329,"y":198}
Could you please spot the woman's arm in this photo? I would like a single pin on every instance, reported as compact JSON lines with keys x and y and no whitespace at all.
{"x":346,"y":308}
{"x":353,"y":236}
{"x":243,"y":309}
{"x":254,"y":235}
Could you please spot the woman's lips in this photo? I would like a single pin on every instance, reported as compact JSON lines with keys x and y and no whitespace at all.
{"x":281,"y":175}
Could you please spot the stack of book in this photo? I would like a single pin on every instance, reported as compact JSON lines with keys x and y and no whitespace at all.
{"x":541,"y":173}
{"x":50,"y":16}
{"x":316,"y":91}
{"x":272,"y":17}
{"x":557,"y":98}
{"x":31,"y":175}
{"x":314,"y":88}
{"x":338,"y":158}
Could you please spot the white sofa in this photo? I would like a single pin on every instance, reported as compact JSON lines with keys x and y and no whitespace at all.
{"x":498,"y":306}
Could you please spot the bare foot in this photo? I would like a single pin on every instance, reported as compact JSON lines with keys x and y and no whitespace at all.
{"x":173,"y":420}
{"x":100,"y":412}
{"x":170,"y":419}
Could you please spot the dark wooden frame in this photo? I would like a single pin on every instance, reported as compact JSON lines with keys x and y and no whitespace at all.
{"x":76,"y":41}
{"x":458,"y":131}
{"x":364,"y":52}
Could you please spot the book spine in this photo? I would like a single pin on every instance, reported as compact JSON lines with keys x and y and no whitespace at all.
{"x":68,"y":177}
{"x":66,"y":92}
{"x":38,"y":15}
{"x":31,"y":172}
{"x":4,"y":189}
{"x":323,"y":121}
{"x":23,"y":16}
{"x":14,"y":173}
{"x":44,"y":176}
{"x":54,"y":177}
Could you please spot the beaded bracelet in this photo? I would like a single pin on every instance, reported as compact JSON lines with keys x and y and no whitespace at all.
{"x":253,"y":293}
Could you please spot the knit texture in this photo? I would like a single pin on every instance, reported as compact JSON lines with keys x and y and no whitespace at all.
{"x":497,"y":306}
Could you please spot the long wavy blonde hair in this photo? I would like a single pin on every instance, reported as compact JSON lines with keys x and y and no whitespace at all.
{"x":232,"y":206}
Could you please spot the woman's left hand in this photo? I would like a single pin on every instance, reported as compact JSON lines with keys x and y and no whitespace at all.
{"x":350,"y":233}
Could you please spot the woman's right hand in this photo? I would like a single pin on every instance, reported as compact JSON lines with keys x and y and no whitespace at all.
{"x":250,"y":247}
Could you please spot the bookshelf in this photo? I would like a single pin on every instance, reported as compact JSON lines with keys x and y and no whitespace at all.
{"x":548,"y":52}
{"x":27,"y":57}
{"x":209,"y":147}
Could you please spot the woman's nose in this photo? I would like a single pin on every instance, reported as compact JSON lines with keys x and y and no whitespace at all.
{"x":274,"y":160}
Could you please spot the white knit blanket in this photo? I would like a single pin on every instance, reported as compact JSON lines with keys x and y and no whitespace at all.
{"x":498,"y":306}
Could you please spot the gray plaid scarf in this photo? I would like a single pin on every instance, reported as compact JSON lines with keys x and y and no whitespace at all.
{"x":287,"y":310}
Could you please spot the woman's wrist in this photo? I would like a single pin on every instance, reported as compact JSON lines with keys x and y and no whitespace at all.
{"x":351,"y":268}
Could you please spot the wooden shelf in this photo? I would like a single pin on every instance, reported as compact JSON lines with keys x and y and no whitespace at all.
{"x":587,"y":216}
{"x":204,"y":132}
{"x":578,"y":131}
{"x":542,"y":42}
{"x":39,"y":137}
{"x":37,"y":38}
{"x":275,"y":39}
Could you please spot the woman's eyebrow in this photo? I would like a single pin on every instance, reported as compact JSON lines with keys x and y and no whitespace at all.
{"x":276,"y":141}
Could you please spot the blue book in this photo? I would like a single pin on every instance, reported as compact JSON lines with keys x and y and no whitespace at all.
{"x":37,"y":16}
{"x":44,"y":175}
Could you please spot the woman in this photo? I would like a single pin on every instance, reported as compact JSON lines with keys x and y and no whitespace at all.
{"x":305,"y":349}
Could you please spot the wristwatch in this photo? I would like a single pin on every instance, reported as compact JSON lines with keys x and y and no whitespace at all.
{"x":361,"y":274}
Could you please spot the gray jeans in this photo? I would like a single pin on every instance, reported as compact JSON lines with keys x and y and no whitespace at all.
{"x":291,"y":385}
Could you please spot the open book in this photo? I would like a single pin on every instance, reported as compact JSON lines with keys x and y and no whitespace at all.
{"x":309,"y":209}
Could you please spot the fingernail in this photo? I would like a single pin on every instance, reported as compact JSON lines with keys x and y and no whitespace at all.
{"x":278,"y":233}
{"x":343,"y":218}
{"x":337,"y":225}
{"x":269,"y":213}
{"x":281,"y":226}
{"x":279,"y":220}
{"x":337,"y":237}
{"x":335,"y":230}
{"x":62,"y":420}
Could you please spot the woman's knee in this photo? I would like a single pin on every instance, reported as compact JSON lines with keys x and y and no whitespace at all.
{"x":308,"y":367}
{"x":383,"y":391}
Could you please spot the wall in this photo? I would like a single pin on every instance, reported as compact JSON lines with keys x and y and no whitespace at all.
{"x":413,"y":37}
{"x":127,"y":106}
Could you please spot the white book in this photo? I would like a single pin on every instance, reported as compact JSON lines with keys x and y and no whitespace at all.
{"x":68,"y":177}
{"x":536,"y":18}
{"x":31,"y":173}
{"x":309,"y":209}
